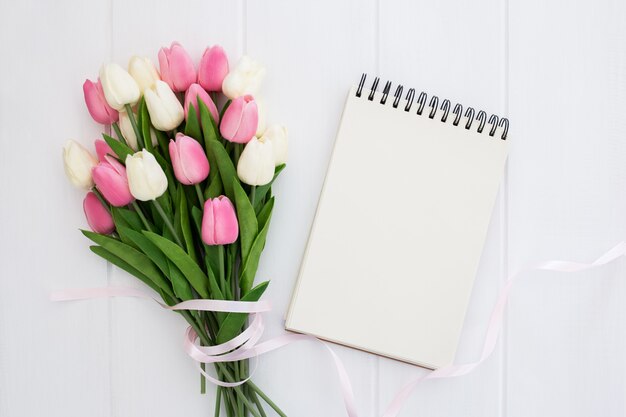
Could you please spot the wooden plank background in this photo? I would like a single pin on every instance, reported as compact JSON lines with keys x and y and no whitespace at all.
{"x":557,"y":69}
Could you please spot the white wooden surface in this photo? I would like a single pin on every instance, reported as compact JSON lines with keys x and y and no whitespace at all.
{"x":558,"y":69}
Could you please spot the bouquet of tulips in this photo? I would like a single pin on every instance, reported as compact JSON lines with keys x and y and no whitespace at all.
{"x":181,"y":197}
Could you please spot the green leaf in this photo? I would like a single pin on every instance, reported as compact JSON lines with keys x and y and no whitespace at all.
{"x":251,"y":264}
{"x":215,"y":189}
{"x":193,"y":126}
{"x":265,"y":213}
{"x":117,"y":261}
{"x":167,"y":168}
{"x":144,"y":124}
{"x":224,"y":164}
{"x":216,"y":294}
{"x":120,"y":224}
{"x":179,"y":283}
{"x":187,"y":266}
{"x":120,"y":149}
{"x":164,"y":144}
{"x":131,"y":218}
{"x":131,"y":256}
{"x":185,"y":226}
{"x":209,"y":127}
{"x":234,"y":321}
{"x":196,"y":214}
{"x":179,"y":195}
{"x":262,"y":190}
{"x":209,"y":132}
{"x":148,"y":248}
{"x":248,"y":227}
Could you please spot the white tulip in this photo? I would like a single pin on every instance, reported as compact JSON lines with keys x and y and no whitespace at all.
{"x":277,"y":135}
{"x":143,"y":71}
{"x":127,"y":130}
{"x":146,"y":178}
{"x":244,"y":79}
{"x":166,"y":112}
{"x":78,"y":162}
{"x":256,"y":163}
{"x":118,"y":86}
{"x":261,"y":126}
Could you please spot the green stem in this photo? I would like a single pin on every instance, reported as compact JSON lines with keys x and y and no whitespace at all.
{"x":101,"y":198}
{"x":220,"y":251}
{"x":252,"y":194}
{"x":238,"y":378}
{"x":266,"y":399}
{"x":237,"y":152}
{"x":118,"y":132}
{"x":200,"y":196}
{"x":167,"y":221}
{"x":256,"y":400}
{"x":221,"y":367}
{"x":133,"y":122}
{"x":218,"y":399}
{"x":202,"y":380}
{"x":141,"y":215}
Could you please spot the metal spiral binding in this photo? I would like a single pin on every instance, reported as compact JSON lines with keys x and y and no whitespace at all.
{"x":470,"y":114}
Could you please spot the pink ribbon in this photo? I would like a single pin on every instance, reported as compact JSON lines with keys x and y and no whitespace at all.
{"x":247,"y":344}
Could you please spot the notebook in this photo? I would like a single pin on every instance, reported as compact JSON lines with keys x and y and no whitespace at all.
{"x":400,"y":224}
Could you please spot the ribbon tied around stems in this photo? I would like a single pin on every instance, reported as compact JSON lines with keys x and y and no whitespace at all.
{"x":247,"y":344}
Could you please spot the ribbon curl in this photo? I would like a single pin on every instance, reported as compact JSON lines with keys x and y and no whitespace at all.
{"x":246,"y":345}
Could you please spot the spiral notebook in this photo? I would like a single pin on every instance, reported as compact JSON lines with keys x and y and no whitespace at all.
{"x":400,"y":225}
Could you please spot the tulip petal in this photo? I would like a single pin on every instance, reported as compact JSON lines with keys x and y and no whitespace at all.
{"x":98,"y":217}
{"x":208,"y":223}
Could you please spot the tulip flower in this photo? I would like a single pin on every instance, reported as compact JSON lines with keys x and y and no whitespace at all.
{"x":98,"y":217}
{"x":244,"y":79}
{"x":97,"y":104}
{"x":213,"y":68}
{"x":103,"y":149}
{"x":177,"y":68}
{"x":256,"y":163}
{"x":189,"y":161}
{"x":277,"y":135}
{"x":219,"y":222}
{"x":196,"y":92}
{"x":240,"y":120}
{"x":166,"y":112}
{"x":146,"y":178}
{"x":119,"y":87}
{"x":110,"y":178}
{"x":143,"y":71}
{"x":78,"y":162}
{"x":127,"y":129}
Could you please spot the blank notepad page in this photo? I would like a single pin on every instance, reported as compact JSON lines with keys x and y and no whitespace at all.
{"x":399,"y":231}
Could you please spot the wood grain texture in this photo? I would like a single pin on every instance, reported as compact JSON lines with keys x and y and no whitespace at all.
{"x":558,"y":69}
{"x":452,"y":50}
{"x":567,"y":333}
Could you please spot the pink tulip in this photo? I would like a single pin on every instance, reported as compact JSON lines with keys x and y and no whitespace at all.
{"x":213,"y":68}
{"x":239,"y":123}
{"x":191,"y":99}
{"x":177,"y":68}
{"x":97,"y":103}
{"x":98,"y":216}
{"x":103,"y":149}
{"x":110,"y":178}
{"x":190,"y":163}
{"x":219,"y":222}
